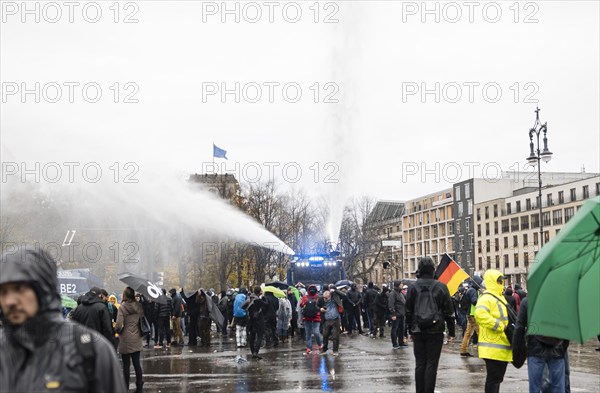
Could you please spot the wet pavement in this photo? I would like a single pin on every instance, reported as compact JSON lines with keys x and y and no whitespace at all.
{"x":364,"y":365}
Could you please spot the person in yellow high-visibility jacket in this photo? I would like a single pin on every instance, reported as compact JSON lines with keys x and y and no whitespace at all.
{"x":491,"y":314}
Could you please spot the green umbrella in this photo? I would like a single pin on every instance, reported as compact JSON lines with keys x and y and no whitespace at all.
{"x":564,"y":283}
{"x":276,"y":291}
{"x":67,"y":302}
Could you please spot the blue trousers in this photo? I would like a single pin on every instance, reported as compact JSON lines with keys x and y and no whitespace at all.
{"x":556,"y":373}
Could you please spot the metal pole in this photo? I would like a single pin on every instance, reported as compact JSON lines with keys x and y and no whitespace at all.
{"x":539,"y":160}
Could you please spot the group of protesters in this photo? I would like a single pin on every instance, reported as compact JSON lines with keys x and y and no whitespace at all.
{"x":423,"y":313}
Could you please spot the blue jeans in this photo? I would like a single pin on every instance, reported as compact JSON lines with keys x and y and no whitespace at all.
{"x":556,"y":368}
{"x":312,"y":328}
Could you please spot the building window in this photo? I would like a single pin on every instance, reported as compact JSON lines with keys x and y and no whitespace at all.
{"x":524,"y":222}
{"x":535,"y":221}
{"x":495,"y":210}
{"x":469,"y":256}
{"x":528,"y":204}
{"x":462,"y":243}
{"x":569,"y":213}
{"x":450,"y":229}
{"x":506,"y":242}
{"x":561,"y":197}
{"x":549,"y":200}
{"x":514,"y":224}
{"x":457,"y":229}
{"x":487,"y":245}
{"x":497,"y":261}
{"x":470,"y":207}
{"x":546,"y":219}
{"x":557,"y":217}
{"x":586,"y":192}
{"x":472,"y":244}
{"x":516,"y":259}
{"x":487,"y":212}
{"x":515,"y":241}
{"x":479,"y":265}
{"x":518,"y":206}
{"x":526,"y":259}
{"x":489,"y":262}
{"x":487,"y":228}
{"x":508,"y":209}
{"x":468,"y":225}
{"x":479,"y":246}
{"x":467,"y":191}
{"x":597,"y":188}
{"x":506,"y":265}
{"x":496,"y":244}
{"x":573,"y":195}
{"x":478,"y":229}
{"x":457,"y":193}
{"x":535,"y":239}
{"x":525,"y":242}
{"x":460,"y":209}
{"x":478,"y":214}
{"x":505,"y":227}
{"x":495,"y":227}
{"x":435,"y":231}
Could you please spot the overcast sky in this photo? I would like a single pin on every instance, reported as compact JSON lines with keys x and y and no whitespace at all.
{"x":371,"y":130}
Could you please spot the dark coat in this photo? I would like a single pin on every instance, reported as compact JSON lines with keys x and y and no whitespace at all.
{"x":43,"y":349}
{"x":381,"y":306}
{"x":537,"y":346}
{"x":370,"y":299}
{"x":397,"y":303}
{"x":164,"y":310}
{"x":443,"y":300}
{"x":177,"y":302}
{"x":93,"y":313}
{"x":257,"y":309}
{"x":353,"y":297}
{"x":273,"y":306}
{"x":130,"y":338}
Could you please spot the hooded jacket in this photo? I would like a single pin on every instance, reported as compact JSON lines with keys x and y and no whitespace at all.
{"x":491,"y":315}
{"x":305,"y":298}
{"x":93,"y":313}
{"x":130,"y":337}
{"x":41,"y":355}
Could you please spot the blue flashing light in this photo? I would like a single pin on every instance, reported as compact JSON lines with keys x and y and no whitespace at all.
{"x":316,"y":259}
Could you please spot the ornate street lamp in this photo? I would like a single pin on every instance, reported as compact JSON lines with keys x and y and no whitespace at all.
{"x":535,"y":158}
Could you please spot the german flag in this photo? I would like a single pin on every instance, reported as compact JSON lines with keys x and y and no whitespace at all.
{"x":450,"y":274}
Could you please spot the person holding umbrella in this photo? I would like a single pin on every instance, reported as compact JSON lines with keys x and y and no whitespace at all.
{"x":130,"y":337}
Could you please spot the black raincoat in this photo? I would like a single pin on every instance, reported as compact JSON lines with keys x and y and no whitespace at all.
{"x":41,"y":355}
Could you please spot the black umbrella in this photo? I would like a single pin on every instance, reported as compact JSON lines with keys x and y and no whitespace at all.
{"x":278,"y":284}
{"x":213,"y":311}
{"x":344,"y":283}
{"x":143,"y":286}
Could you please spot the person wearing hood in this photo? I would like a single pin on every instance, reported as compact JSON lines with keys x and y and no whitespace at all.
{"x":93,"y":313}
{"x":240,"y":317}
{"x":471,"y":296}
{"x":130,"y":337}
{"x":176,"y":317}
{"x":311,"y":318}
{"x":39,"y":350}
{"x":397,"y":308}
{"x":428,"y":306}
{"x":193,"y":314}
{"x":491,"y":314}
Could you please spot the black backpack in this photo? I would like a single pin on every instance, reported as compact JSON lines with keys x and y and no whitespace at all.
{"x":310,"y":308}
{"x":427,"y":314}
{"x":83,"y":342}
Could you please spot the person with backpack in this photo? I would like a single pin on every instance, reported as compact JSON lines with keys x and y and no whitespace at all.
{"x":429,"y":310}
{"x":311,"y":318}
{"x":257,"y":308}
{"x":492,"y":316}
{"x":39,"y":350}
{"x":469,"y":302}
{"x":240,"y":317}
{"x":130,"y":336}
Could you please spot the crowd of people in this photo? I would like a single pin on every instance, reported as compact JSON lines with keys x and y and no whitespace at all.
{"x":100,"y":327}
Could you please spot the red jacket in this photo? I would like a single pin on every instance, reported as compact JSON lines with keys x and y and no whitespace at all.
{"x":317,"y":318}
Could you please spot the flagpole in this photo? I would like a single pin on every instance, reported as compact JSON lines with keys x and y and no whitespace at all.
{"x":213,"y":155}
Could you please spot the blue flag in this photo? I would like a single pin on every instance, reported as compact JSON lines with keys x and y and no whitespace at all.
{"x":218,"y":152}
